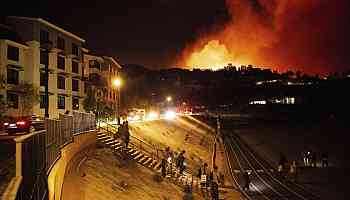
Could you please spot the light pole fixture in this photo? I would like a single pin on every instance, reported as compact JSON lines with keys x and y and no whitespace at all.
{"x":117,"y":83}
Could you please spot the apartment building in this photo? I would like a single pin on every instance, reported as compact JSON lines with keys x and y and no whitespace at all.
{"x":43,"y":44}
{"x":105,"y":69}
{"x":13,"y":70}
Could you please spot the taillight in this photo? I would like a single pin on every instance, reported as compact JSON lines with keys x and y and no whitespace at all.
{"x":21,"y":123}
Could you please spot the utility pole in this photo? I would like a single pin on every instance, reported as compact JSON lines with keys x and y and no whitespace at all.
{"x":217,"y":134}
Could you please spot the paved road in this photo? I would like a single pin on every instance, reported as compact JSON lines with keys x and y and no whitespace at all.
{"x":265,"y":182}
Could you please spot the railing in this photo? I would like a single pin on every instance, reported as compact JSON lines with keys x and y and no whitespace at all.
{"x":148,"y":149}
{"x":61,"y":131}
{"x":37,"y":152}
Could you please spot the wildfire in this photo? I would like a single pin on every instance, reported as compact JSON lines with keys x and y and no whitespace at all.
{"x":275,"y":34}
{"x":213,"y":55}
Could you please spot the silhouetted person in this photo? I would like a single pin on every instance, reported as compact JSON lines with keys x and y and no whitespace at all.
{"x":293,"y":170}
{"x":313,"y":159}
{"x":324,"y":159}
{"x":199,"y":173}
{"x":163,"y":167}
{"x":282,"y":160}
{"x":246,"y":180}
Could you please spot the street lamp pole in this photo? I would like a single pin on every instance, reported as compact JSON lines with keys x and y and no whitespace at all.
{"x":117,"y":83}
{"x":118,"y":109}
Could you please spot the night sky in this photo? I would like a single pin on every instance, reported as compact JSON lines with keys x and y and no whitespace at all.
{"x":154,"y":33}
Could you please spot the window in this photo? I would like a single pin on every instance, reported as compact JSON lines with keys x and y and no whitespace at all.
{"x":12,"y":53}
{"x":42,"y":101}
{"x":94,"y":64}
{"x":75,"y":49}
{"x":60,"y":43}
{"x":12,"y":100}
{"x":44,"y":58}
{"x":42,"y":79}
{"x":61,"y":102}
{"x":12,"y":76}
{"x":44,"y":36}
{"x":61,"y":82}
{"x":75,"y":84}
{"x":75,"y":103}
{"x":75,"y":66}
{"x":61,"y":62}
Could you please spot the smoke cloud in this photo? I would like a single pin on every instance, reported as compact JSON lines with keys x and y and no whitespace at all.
{"x":311,"y":36}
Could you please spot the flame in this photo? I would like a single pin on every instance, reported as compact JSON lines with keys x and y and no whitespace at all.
{"x":302,"y":35}
{"x":213,"y":55}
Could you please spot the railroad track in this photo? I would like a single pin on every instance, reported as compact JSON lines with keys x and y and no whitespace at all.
{"x":265,"y":182}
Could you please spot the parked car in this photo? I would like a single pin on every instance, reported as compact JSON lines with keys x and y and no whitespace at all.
{"x":27,"y":124}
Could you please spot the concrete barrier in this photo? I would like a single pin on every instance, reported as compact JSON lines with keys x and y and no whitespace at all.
{"x":56,"y":176}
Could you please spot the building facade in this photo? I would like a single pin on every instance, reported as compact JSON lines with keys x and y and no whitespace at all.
{"x":100,"y":72}
{"x":44,"y":44}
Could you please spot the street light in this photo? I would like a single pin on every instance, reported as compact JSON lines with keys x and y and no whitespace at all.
{"x":168,"y":99}
{"x":117,"y":83}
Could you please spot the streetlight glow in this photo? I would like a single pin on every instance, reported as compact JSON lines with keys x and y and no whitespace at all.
{"x":169,"y":98}
{"x":117,"y":82}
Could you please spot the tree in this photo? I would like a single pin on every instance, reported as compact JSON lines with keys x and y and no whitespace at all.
{"x":3,"y":105}
{"x":90,"y":103}
{"x":30,"y":96}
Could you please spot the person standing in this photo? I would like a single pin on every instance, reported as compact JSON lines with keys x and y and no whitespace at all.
{"x":246,"y":180}
{"x":163,"y":167}
{"x":293,"y":171}
{"x":324,"y":159}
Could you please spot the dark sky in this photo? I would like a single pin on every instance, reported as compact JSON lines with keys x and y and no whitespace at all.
{"x":148,"y":32}
{"x":311,"y":36}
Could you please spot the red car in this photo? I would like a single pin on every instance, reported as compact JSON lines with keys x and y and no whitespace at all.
{"x":26,"y":124}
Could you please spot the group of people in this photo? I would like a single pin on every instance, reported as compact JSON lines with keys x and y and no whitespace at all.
{"x":310,"y":158}
{"x":210,"y":178}
{"x":173,"y":161}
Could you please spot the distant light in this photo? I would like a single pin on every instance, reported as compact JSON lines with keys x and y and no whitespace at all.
{"x":169,"y":98}
{"x":170,"y":114}
{"x":6,"y":124}
{"x":152,"y":116}
{"x":259,"y":83}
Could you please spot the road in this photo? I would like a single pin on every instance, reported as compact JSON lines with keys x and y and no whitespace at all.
{"x":265,"y":182}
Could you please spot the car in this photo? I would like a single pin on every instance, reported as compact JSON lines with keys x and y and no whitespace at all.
{"x":26,"y":124}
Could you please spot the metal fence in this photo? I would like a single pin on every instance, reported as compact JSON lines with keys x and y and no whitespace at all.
{"x":83,"y":122}
{"x":61,"y":131}
{"x":37,"y":152}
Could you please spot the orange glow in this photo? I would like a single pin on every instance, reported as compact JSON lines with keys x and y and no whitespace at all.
{"x":212,"y":56}
{"x":275,"y":34}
